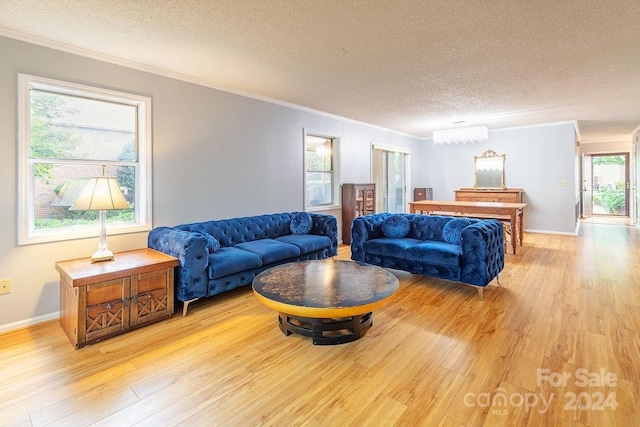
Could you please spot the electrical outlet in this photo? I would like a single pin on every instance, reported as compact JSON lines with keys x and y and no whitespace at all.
{"x":563,"y":183}
{"x":5,"y":286}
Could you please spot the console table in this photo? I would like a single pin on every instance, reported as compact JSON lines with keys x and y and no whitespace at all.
{"x":512,"y":212}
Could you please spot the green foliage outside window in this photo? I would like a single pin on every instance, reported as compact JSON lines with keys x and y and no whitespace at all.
{"x":608,"y":160}
{"x":613,"y":200}
{"x":46,"y":141}
{"x":76,"y":218}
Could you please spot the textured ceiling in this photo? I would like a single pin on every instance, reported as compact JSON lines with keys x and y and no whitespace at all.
{"x":411,"y":66}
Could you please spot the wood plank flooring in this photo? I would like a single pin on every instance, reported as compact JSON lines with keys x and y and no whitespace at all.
{"x":435,"y":356}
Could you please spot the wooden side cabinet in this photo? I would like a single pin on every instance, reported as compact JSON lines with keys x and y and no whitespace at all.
{"x":100,"y":300}
{"x":357,"y":200}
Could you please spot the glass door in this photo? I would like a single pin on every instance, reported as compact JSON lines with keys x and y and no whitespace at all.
{"x":610,"y":178}
{"x":390,"y":173}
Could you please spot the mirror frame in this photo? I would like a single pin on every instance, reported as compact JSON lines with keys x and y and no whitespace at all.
{"x":495,"y":157}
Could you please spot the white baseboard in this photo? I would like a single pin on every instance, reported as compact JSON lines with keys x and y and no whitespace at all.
{"x":562,"y":233}
{"x":29,"y":322}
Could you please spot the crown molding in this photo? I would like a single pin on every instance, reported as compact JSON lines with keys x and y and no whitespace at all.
{"x":627,"y":139}
{"x":87,"y":53}
{"x":540,"y":125}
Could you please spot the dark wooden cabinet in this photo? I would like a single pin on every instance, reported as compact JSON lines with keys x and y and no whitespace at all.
{"x":422,"y":193}
{"x":357,"y":200}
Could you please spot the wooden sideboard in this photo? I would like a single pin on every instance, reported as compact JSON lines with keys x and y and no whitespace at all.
{"x":511,"y":195}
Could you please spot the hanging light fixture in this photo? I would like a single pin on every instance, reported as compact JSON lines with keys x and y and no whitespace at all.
{"x":461,"y":135}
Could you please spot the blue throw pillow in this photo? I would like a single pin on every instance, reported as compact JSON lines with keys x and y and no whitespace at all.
{"x":396,"y":226}
{"x":212,"y":243}
{"x":452,"y":230}
{"x":301,"y":223}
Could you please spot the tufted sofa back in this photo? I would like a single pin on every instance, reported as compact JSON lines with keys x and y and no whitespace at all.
{"x":230,"y":232}
{"x":428,"y":227}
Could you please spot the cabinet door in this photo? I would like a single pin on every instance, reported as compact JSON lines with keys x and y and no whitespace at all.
{"x":150,"y":296}
{"x":369,"y":205}
{"x":106,"y":307}
{"x":360,"y":201}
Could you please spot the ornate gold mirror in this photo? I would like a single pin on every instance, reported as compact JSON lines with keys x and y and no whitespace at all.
{"x":489,"y":171}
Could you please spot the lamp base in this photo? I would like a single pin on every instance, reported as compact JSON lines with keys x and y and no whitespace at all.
{"x":102,"y":255}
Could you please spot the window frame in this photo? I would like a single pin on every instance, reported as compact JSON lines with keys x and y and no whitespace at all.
{"x":27,"y":234}
{"x":335,"y":171}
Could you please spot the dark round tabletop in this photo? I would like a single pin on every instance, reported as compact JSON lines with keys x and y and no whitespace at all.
{"x":325,"y":288}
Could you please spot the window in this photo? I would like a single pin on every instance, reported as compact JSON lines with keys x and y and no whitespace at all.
{"x":321,"y":182}
{"x":67,"y":132}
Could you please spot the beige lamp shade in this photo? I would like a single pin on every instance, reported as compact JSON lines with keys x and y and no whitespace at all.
{"x":100,"y":193}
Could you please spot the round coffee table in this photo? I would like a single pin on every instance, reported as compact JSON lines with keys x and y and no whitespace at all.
{"x":331,"y":301}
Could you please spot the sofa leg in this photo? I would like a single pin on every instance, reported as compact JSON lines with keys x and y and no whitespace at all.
{"x":480,"y":293}
{"x":498,"y":280}
{"x":185,"y":305}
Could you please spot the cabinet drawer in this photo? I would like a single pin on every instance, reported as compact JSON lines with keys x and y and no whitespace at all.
{"x":105,"y":319}
{"x":106,"y":292}
{"x":106,"y":308}
{"x":151,"y":281}
{"x":150,"y":306}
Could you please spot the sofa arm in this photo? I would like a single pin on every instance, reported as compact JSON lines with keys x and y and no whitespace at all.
{"x":365,"y":228}
{"x":482,"y":252}
{"x":326,"y":225}
{"x":191,"y":250}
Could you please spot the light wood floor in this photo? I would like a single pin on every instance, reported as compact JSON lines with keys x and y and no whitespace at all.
{"x":435,"y":356}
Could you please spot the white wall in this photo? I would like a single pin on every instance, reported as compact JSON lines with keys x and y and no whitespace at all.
{"x":537,"y":159}
{"x":215,"y":155}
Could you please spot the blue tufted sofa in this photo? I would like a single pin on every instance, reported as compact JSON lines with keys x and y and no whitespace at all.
{"x":247,"y":246}
{"x":476,"y":260}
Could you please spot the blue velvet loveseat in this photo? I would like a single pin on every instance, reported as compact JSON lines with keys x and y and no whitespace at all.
{"x":464,"y":250}
{"x":217,"y":256}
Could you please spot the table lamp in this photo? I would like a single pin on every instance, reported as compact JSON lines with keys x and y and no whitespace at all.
{"x":101,"y":194}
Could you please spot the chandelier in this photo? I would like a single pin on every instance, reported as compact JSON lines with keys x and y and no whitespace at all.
{"x":461,"y":135}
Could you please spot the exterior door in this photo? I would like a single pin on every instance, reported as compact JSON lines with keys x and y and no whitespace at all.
{"x":611,"y":186}
{"x":587,"y":184}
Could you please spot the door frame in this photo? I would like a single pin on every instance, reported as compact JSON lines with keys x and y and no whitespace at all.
{"x":584,"y":213}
